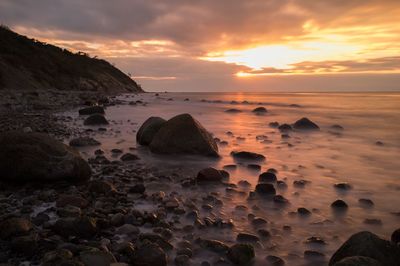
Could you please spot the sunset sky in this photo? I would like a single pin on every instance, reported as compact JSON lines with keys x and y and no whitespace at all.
{"x":227,"y":45}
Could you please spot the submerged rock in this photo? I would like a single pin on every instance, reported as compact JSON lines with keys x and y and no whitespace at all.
{"x":233,"y":110}
{"x":92,"y":110}
{"x":246,"y":155}
{"x":305,"y":124}
{"x":260,"y":110}
{"x":95,"y":119}
{"x":367,"y":244}
{"x":183,"y":134}
{"x":265,"y":189}
{"x":37,"y":156}
{"x":267,"y":177}
{"x":149,"y":129}
{"x":241,"y":254}
{"x":209,"y":175}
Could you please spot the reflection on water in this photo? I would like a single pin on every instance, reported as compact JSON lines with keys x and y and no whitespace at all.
{"x":323,"y":158}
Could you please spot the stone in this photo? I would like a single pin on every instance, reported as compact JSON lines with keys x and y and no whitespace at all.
{"x":305,"y":124}
{"x":214,"y":245}
{"x":128,"y":157}
{"x":182,"y":260}
{"x":97,"y":258}
{"x":233,"y":110}
{"x":95,"y":119}
{"x":246,"y":237}
{"x":209,"y":175}
{"x":339,"y":205}
{"x":183,"y":134}
{"x":274,"y":124}
{"x":83,"y":142}
{"x":285,"y":128}
{"x":82,"y":227}
{"x":260,"y":110}
{"x":247,"y":156}
{"x":149,"y":129}
{"x":265,"y":189}
{"x":303,"y":211}
{"x":149,"y":254}
{"x":241,"y":254}
{"x":77,"y":201}
{"x":39,"y":157}
{"x":100,"y":187}
{"x":343,"y":186}
{"x":267,"y":177}
{"x":127,"y":229}
{"x":367,"y":244}
{"x":138,"y":188}
{"x":395,"y":238}
{"x":91,"y":110}
{"x":274,"y":261}
{"x":14,"y":227}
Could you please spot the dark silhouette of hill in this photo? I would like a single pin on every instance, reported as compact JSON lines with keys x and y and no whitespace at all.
{"x":30,"y":64}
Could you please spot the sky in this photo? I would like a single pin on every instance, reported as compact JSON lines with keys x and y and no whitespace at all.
{"x":227,"y":45}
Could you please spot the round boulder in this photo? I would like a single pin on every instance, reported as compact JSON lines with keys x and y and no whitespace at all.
{"x":183,"y":134}
{"x":209,"y":175}
{"x":305,"y":124}
{"x":38,"y":157}
{"x":149,"y":129}
{"x":367,"y":244}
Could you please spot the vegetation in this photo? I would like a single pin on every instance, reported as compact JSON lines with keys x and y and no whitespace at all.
{"x":28,"y":63}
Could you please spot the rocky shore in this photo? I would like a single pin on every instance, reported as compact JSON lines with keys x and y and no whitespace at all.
{"x":60,"y":209}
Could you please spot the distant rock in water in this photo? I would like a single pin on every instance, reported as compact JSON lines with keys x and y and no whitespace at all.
{"x":285,"y":128}
{"x":260,"y":110}
{"x":27,"y":63}
{"x":305,"y":124}
{"x":149,"y":129}
{"x":248,"y":156}
{"x":233,"y":110}
{"x":367,"y":244}
{"x":183,"y":134}
{"x":91,"y":110}
{"x":38,"y":157}
{"x":95,"y":119}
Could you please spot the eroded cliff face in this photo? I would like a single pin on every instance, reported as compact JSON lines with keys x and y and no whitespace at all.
{"x":27,"y":64}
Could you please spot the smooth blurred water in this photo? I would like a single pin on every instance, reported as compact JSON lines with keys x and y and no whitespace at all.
{"x":324,"y":158}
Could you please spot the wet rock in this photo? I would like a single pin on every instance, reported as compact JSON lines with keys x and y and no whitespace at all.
{"x":25,"y":245}
{"x":358,"y":261}
{"x":263,"y":233}
{"x":247,"y":238}
{"x":233,"y":110}
{"x":274,"y":124}
{"x":267,"y":177}
{"x":37,"y":157}
{"x":244,"y":183}
{"x":305,"y":124}
{"x":230,"y":167}
{"x":92,"y":110}
{"x":254,"y":167}
{"x":303,"y":211}
{"x":373,"y":221}
{"x":127,"y":229}
{"x":265,"y":189}
{"x":69,"y":211}
{"x":258,"y":222}
{"x":100,"y":187}
{"x":343,"y":186}
{"x":280,"y":199}
{"x":183,"y":134}
{"x":366,"y":203}
{"x":367,"y":244}
{"x":313,"y":255}
{"x":337,"y":127}
{"x":82,"y":227}
{"x":379,"y":143}
{"x":209,"y":175}
{"x":260,"y":110}
{"x":97,"y":258}
{"x":213,"y":245}
{"x":285,"y":128}
{"x":117,"y":219}
{"x":128,"y":157}
{"x":83,"y":142}
{"x":95,"y":119}
{"x":395,"y":238}
{"x":339,"y":205}
{"x":72,"y":200}
{"x":315,"y":240}
{"x":274,"y":261}
{"x":241,"y":254}
{"x":14,"y":227}
{"x":300,"y":183}
{"x":246,"y":155}
{"x":138,"y":188}
{"x":149,"y":129}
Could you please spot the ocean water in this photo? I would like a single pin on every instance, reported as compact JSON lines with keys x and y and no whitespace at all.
{"x":324,"y":158}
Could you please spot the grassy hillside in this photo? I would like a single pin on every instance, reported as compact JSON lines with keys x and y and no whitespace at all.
{"x":29,"y":64}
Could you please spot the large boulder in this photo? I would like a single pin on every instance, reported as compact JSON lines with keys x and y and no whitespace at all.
{"x":183,"y":134}
{"x":149,"y":129}
{"x":39,"y":157}
{"x":367,"y":244}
